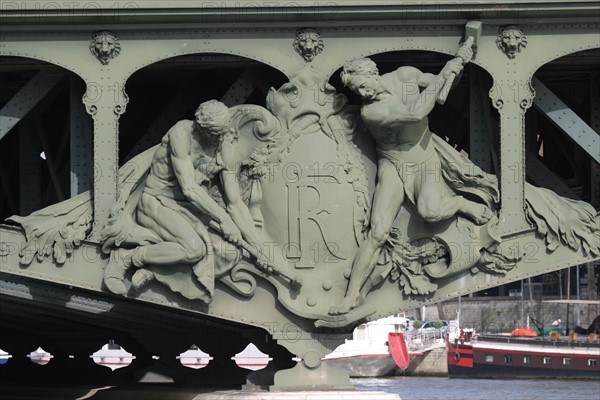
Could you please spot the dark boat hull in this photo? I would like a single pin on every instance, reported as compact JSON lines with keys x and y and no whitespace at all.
{"x":502,"y":357}
{"x":484,"y":371}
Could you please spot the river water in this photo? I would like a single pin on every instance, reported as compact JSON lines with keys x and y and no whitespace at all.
{"x":413,"y":388}
{"x":417,"y":388}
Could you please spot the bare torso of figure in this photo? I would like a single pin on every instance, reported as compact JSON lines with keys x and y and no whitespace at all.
{"x":388,"y":119}
{"x":203,"y":154}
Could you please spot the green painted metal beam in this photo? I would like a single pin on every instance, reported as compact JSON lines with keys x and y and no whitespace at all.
{"x":566,"y":120}
{"x":300,"y":12}
{"x":28,"y":97}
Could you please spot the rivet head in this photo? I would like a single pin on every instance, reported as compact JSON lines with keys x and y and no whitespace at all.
{"x":327,"y":284}
{"x":311,"y":359}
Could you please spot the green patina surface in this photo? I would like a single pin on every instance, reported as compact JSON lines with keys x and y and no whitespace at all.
{"x":312,"y":212}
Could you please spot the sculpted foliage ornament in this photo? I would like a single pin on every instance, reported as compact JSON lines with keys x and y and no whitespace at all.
{"x":283,"y":194}
{"x":105,"y":46}
{"x":511,"y":40}
{"x":308,"y":43}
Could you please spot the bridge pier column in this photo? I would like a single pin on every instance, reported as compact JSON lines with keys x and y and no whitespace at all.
{"x":310,"y":373}
{"x":105,"y":102}
{"x":512,"y":97}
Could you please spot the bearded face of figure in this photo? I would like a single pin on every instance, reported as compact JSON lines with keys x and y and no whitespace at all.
{"x":366,"y":86}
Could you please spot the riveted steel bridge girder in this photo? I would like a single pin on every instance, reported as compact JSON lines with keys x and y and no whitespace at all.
{"x":150,"y":34}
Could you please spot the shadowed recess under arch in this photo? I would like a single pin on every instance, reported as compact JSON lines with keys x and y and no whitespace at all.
{"x":165,"y":92}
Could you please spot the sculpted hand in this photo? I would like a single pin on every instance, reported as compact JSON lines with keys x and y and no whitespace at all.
{"x":262,"y":262}
{"x":453,"y":66}
{"x":231,"y":231}
{"x":465,"y":53}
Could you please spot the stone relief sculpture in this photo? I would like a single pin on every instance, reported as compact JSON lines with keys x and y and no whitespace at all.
{"x":308,"y":43}
{"x":170,"y":213}
{"x":105,"y":46}
{"x":174,"y":202}
{"x":410,"y":170}
{"x":421,"y":171}
{"x":511,"y":40}
{"x":284,"y":193}
{"x":182,"y":202}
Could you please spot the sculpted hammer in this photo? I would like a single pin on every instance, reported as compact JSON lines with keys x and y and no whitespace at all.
{"x":472,"y":35}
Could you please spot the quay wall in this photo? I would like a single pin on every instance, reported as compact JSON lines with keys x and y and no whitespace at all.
{"x":432,"y":363}
{"x":503,"y":314}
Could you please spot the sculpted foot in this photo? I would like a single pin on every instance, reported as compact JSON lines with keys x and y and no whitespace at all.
{"x":347,"y":304}
{"x":114,"y":274}
{"x":480,"y":214}
{"x":141,"y":277}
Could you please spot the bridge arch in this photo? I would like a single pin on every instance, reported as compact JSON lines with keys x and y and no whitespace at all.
{"x":171,"y":89}
{"x":565,"y":124}
{"x":45,"y":59}
{"x":182,"y":54}
{"x":566,"y":50}
{"x":42,"y":113}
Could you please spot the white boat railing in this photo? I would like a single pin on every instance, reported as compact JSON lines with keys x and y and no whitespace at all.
{"x":426,"y":341}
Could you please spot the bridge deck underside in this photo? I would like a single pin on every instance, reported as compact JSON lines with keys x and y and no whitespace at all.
{"x":73,"y":324}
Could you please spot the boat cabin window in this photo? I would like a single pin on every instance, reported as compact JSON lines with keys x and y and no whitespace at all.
{"x":526,"y":359}
{"x":547,"y":360}
{"x":592,"y":362}
{"x":566,"y":360}
{"x":507,"y":358}
{"x":489,"y":358}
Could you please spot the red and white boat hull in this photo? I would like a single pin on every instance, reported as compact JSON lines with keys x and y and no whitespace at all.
{"x":513,"y":357}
